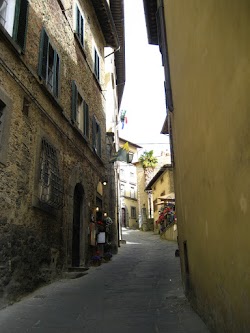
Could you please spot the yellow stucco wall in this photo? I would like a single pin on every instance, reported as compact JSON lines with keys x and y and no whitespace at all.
{"x":209,"y":53}
{"x":164,"y":184}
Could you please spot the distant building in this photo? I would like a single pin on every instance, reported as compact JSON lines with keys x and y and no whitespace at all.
{"x":129,"y":214}
{"x":162,"y":188}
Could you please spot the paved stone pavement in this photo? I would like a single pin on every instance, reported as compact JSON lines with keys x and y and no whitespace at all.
{"x":139,"y":290}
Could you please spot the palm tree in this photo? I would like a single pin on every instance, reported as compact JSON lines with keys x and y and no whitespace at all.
{"x":148,"y":162}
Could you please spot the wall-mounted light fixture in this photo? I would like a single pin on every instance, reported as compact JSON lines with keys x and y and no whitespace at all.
{"x":97,"y":209}
{"x":104,"y":183}
{"x":105,"y":214}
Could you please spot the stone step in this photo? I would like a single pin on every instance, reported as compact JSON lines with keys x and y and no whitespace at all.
{"x":77,"y":269}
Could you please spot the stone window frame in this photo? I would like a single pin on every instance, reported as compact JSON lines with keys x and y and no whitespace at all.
{"x":5,"y":120}
{"x":50,"y":204}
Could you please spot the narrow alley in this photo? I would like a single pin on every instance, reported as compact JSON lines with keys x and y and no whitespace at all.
{"x":139,"y":290}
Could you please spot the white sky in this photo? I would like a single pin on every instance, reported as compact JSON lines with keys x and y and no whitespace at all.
{"x":144,"y":97}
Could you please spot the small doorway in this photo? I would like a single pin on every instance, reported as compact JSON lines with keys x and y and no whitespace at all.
{"x":77,"y":213}
{"x":124,"y":224}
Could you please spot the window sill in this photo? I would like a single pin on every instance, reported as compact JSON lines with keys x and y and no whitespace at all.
{"x":80,"y":133}
{"x":80,"y":45}
{"x":127,"y":197}
{"x":97,"y":82}
{"x":97,"y":156}
{"x":37,"y":204}
{"x":49,"y":94}
{"x":14,"y":46}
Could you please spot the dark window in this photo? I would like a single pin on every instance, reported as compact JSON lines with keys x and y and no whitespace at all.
{"x":2,"y":107}
{"x":79,"y":26}
{"x":49,"y":63}
{"x":97,"y":65}
{"x":13,"y":17}
{"x":96,"y":137}
{"x":133,"y":212}
{"x":155,"y":205}
{"x":122,"y":190}
{"x":80,"y":111}
{"x":51,"y":188}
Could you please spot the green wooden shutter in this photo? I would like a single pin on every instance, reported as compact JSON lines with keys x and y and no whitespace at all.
{"x":94,"y":133}
{"x":86,"y":119}
{"x":97,"y":65}
{"x":56,"y":74}
{"x":20,"y":22}
{"x":43,"y":55}
{"x":73,"y":102}
{"x":99,"y":149}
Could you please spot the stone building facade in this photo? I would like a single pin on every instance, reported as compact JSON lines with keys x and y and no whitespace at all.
{"x":53,"y":153}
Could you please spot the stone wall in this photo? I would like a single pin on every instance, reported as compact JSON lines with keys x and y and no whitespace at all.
{"x":36,"y":241}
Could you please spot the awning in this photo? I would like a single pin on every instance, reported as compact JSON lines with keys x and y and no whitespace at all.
{"x":169,"y":196}
{"x":160,"y":203}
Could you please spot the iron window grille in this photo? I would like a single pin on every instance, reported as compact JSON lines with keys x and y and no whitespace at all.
{"x":51,"y":185}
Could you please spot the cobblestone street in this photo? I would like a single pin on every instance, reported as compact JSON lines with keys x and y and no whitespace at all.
{"x":138,"y":291}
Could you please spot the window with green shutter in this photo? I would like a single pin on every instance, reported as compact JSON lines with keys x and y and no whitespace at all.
{"x":79,"y":111}
{"x":79,"y":25}
{"x":13,"y":18}
{"x":49,"y":64}
{"x":96,"y":136}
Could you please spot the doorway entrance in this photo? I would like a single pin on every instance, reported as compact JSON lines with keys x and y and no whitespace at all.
{"x":124,"y":224}
{"x":77,"y":214}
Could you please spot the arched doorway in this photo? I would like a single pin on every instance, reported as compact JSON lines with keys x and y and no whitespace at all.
{"x":76,"y":233}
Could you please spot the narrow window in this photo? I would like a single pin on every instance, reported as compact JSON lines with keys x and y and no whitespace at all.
{"x":122,"y":190}
{"x":96,"y":137}
{"x":80,"y":111}
{"x":133,"y":212}
{"x":51,"y":188}
{"x":132,"y":192}
{"x":96,"y":65}
{"x":13,"y":17}
{"x":2,"y":107}
{"x":79,"y":25}
{"x":49,"y":64}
